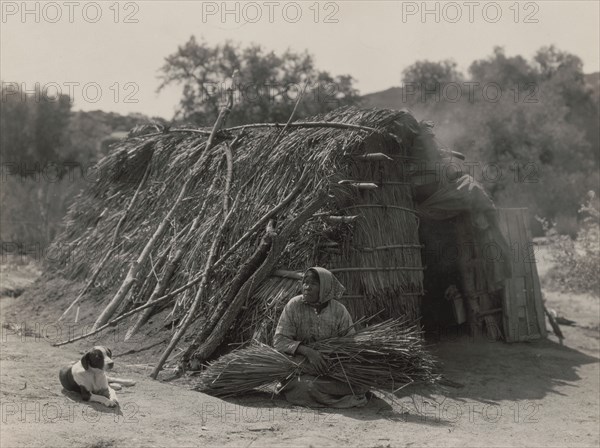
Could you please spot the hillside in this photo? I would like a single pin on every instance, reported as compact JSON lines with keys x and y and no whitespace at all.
{"x":392,"y":98}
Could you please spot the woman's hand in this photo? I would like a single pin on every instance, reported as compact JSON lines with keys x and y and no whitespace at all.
{"x":314,"y":357}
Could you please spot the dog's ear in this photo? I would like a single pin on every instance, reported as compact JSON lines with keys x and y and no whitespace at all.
{"x":85,"y":360}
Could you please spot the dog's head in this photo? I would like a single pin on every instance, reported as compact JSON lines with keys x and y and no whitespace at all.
{"x":98,"y":358}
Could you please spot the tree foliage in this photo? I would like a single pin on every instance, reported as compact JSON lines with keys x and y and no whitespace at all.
{"x":33,"y":129}
{"x":533,"y":124}
{"x":45,"y":152}
{"x":428,"y":73}
{"x":268,"y":84}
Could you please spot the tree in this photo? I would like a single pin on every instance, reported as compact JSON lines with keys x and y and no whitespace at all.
{"x":427,"y":73}
{"x":425,"y":87}
{"x":539,"y":137}
{"x":33,"y":128}
{"x":268,"y":84}
{"x":533,"y":132}
{"x":507,"y":72}
{"x":563,"y":72}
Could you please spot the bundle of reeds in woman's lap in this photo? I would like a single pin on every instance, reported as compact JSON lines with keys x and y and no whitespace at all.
{"x":386,"y":356}
{"x":244,"y":370}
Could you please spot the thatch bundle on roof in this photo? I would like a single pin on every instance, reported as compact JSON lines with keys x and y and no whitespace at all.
{"x":259,"y":206}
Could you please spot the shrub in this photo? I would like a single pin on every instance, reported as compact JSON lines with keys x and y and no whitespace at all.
{"x":577,"y":261}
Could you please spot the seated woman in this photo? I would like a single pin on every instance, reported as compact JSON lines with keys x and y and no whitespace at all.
{"x":307,"y":318}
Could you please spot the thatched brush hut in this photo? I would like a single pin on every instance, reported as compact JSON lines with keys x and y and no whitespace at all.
{"x":243,"y":216}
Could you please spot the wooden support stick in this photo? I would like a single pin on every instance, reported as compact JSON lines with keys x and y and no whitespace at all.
{"x":112,"y":246}
{"x":374,"y":157}
{"x":137,"y":265}
{"x":271,"y":213}
{"x":288,"y":274}
{"x":298,"y":124}
{"x":287,"y":125}
{"x":229,"y":157}
{"x":278,"y":245}
{"x":361,"y":296}
{"x":359,"y":185}
{"x":208,"y":267}
{"x":329,"y":244}
{"x":115,"y":321}
{"x":342,"y":219}
{"x":243,"y":274}
{"x":161,"y":286}
{"x":310,"y":124}
{"x":391,"y":246}
{"x":395,"y":268}
{"x":384,"y":206}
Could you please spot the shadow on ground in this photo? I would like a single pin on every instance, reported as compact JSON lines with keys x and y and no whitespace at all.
{"x":495,"y":371}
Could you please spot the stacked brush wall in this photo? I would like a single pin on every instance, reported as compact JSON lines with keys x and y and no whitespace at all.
{"x":379,"y":259}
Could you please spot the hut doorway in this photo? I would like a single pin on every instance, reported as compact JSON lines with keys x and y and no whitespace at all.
{"x":439,"y":254}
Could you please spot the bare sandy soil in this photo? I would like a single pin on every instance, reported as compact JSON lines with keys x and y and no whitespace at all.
{"x":540,"y":393}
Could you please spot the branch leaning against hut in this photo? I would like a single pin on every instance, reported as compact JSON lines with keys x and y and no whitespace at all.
{"x":136,"y":265}
{"x":309,"y":124}
{"x":161,"y":286}
{"x":209,"y":266}
{"x":115,"y":321}
{"x":187,"y":320}
{"x":261,"y":222}
{"x":298,"y":124}
{"x":172,"y":265}
{"x":244,"y":273}
{"x":287,"y":125}
{"x":278,"y":244}
{"x":113,"y":244}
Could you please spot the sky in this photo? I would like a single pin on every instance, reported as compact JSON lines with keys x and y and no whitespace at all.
{"x":107,"y":54}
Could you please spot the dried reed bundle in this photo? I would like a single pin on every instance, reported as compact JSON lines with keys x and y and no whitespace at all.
{"x":387,"y":356}
{"x":245,"y":369}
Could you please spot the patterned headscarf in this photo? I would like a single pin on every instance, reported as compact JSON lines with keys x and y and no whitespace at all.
{"x":330,"y":287}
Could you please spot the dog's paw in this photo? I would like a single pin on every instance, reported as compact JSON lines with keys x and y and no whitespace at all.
{"x":112,"y":403}
{"x":115,"y":386}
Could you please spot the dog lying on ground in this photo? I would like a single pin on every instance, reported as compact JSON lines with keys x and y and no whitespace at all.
{"x":88,"y":377}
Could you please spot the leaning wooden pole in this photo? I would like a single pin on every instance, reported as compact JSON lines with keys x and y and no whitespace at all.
{"x":162,"y":284}
{"x":136,"y":266}
{"x":172,"y":265}
{"x":278,"y":244}
{"x":208,"y":267}
{"x":113,"y":244}
{"x":261,"y":222}
{"x":243,"y":274}
{"x":221,"y":119}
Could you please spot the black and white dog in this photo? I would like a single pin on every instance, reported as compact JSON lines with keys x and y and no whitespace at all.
{"x":88,"y":377}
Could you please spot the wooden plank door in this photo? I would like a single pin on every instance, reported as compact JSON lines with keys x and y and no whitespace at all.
{"x":522,"y":300}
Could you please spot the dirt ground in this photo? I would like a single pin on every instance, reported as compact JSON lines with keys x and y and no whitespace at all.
{"x":541,"y":393}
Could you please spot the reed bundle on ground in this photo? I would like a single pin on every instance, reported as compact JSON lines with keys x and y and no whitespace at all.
{"x":245,"y":370}
{"x":386,"y":356}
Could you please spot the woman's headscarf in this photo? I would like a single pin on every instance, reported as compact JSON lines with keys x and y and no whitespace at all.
{"x":330,"y":287}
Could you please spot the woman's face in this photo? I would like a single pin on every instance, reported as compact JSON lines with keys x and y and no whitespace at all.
{"x":311,"y":288}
